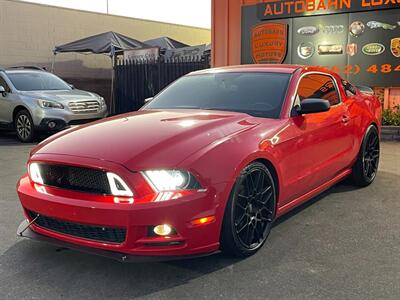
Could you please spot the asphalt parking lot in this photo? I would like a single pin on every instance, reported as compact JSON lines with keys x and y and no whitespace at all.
{"x":344,"y":244}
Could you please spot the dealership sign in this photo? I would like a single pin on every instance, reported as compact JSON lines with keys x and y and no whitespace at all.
{"x":289,"y":9}
{"x":360,"y":40}
{"x":269,"y":43}
{"x":142,"y":54}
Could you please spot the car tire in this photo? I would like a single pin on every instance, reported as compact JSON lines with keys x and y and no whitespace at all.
{"x":366,"y":167}
{"x":24,"y":126}
{"x":250,"y":211}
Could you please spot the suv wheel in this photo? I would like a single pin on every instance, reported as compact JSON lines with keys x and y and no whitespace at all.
{"x":24,"y":126}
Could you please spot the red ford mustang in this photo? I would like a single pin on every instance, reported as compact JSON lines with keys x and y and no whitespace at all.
{"x":207,"y":165}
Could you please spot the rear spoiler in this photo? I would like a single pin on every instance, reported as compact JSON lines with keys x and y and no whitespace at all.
{"x":366,"y":90}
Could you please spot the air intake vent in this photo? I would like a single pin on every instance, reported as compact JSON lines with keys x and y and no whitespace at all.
{"x":95,"y":233}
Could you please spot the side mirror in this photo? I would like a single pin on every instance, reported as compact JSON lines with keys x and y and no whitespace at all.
{"x":148,"y":100}
{"x":3,"y":91}
{"x":366,"y":90}
{"x":71,"y":86}
{"x":313,"y":105}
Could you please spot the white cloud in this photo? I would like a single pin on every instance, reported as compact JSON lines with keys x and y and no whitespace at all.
{"x":187,"y":12}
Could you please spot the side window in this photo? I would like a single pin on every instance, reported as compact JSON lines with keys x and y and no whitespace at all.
{"x":318,"y":86}
{"x":349,"y":88}
{"x":4,"y":84}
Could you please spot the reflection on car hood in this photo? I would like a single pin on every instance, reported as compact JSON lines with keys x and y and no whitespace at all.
{"x":61,"y":96}
{"x":148,"y":139}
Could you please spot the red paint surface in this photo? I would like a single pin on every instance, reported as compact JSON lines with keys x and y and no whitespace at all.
{"x":309,"y":154}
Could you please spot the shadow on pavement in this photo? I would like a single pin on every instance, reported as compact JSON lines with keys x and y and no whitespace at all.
{"x":73,"y":273}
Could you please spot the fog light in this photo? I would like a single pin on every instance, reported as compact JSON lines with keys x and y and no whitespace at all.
{"x":162,"y":230}
{"x":52,"y":125}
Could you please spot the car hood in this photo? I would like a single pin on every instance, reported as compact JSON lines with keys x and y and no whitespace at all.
{"x":149,"y":138}
{"x":61,"y":96}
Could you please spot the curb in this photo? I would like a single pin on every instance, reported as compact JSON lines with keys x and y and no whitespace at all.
{"x":390,"y":133}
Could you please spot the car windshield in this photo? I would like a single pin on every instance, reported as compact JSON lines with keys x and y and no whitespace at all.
{"x":37,"y":81}
{"x":258,"y":94}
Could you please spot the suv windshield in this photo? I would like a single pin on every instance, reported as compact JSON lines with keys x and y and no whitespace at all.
{"x":37,"y":81}
{"x":257,"y":94}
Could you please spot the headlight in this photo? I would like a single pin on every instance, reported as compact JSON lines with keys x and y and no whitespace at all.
{"x":34,"y":173}
{"x":50,"y":104}
{"x":118,"y":187}
{"x":102,"y":102}
{"x":171,"y":180}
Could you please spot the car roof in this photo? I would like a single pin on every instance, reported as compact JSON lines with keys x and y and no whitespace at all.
{"x":275,"y":68}
{"x":14,"y":71}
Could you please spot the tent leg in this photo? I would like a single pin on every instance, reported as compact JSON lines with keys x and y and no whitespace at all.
{"x":53,"y":62}
{"x":112,"y":102}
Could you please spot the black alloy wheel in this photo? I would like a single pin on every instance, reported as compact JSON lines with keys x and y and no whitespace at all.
{"x":366,"y":166}
{"x":371,"y":156}
{"x":250,"y":211}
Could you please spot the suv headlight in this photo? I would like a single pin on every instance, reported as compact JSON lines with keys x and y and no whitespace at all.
{"x":50,"y":104}
{"x":171,"y":180}
{"x":102,"y":101}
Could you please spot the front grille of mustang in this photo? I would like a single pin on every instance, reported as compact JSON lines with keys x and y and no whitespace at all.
{"x":95,"y":233}
{"x":84,"y":107}
{"x":75,"y":178}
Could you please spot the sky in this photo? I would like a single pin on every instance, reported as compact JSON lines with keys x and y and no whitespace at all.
{"x":186,"y":12}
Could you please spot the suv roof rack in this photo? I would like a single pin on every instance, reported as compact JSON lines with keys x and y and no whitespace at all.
{"x":26,"y":68}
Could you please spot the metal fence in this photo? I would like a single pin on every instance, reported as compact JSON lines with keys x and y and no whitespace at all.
{"x":136,"y":80}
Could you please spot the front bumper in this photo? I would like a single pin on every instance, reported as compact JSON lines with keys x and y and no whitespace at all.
{"x":81,"y":208}
{"x":63,"y":118}
{"x":24,"y":230}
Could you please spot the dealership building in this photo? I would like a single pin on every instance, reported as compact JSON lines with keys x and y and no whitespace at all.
{"x":359,"y":39}
{"x":29,"y":33}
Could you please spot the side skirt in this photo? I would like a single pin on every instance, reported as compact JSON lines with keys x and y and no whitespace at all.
{"x":296,"y":202}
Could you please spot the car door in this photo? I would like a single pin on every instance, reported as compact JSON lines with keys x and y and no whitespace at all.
{"x":6,"y":103}
{"x":321,"y":141}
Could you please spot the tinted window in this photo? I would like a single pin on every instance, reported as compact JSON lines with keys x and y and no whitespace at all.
{"x":318,"y":86}
{"x":258,"y":94}
{"x":37,"y":81}
{"x":4,"y":85}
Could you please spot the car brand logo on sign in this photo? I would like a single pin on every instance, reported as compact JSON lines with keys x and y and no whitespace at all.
{"x":395,"y":47}
{"x":351,"y":49}
{"x":269,"y":43}
{"x":308,"y":30}
{"x":373,"y":49}
{"x":330,"y":49}
{"x":357,"y":28}
{"x":332,"y":29}
{"x":375,"y":24}
{"x":305,"y":50}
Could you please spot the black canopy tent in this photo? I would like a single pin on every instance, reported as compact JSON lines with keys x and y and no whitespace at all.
{"x":104,"y":43}
{"x":108,"y":43}
{"x":165,"y":43}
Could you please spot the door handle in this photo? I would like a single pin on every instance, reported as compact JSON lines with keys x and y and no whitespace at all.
{"x":345,"y":119}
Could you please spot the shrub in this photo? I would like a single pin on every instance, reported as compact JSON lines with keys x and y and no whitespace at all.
{"x":391,"y":117}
